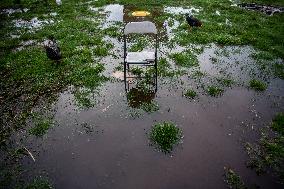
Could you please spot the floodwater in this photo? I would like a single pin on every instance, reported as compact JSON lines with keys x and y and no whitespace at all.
{"x":107,"y":146}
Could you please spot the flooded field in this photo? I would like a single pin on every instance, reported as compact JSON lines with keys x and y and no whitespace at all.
{"x":99,"y":137}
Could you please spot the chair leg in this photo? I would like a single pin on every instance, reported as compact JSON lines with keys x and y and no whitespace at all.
{"x":124,"y":70}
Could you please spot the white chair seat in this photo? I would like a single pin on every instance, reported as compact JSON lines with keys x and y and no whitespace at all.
{"x":140,"y":57}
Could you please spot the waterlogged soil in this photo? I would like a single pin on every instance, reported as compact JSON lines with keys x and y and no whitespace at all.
{"x":107,"y":145}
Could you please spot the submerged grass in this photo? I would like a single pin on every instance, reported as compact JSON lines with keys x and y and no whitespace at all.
{"x":41,"y":125}
{"x":257,"y":85}
{"x":233,"y":180}
{"x":185,"y":59}
{"x":190,"y":94}
{"x":165,"y":135}
{"x":268,"y":153}
{"x":214,"y":91}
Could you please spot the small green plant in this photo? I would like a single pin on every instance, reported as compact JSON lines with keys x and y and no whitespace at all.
{"x":137,"y":71}
{"x":41,"y":126}
{"x":214,"y":91}
{"x":278,"y":123}
{"x":190,"y":94}
{"x":149,"y":107}
{"x":185,"y":59}
{"x":39,"y":183}
{"x":225,"y":82}
{"x":233,"y":180}
{"x":257,"y":85}
{"x":165,"y":135}
{"x":279,"y":70}
{"x":268,"y":153}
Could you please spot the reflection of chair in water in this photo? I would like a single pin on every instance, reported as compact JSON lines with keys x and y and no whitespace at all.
{"x":143,"y":58}
{"x":139,"y":95}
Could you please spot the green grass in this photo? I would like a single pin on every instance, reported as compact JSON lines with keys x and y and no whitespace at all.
{"x":233,"y":180}
{"x":214,"y":91}
{"x":150,"y":107}
{"x":279,"y":70}
{"x":225,"y":82}
{"x":257,"y":85}
{"x":278,"y":123}
{"x":190,"y":94}
{"x":41,"y":126}
{"x":165,"y":135}
{"x":268,"y":153}
{"x":185,"y":59}
{"x":39,"y":183}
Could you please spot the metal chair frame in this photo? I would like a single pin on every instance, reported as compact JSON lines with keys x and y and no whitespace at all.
{"x":144,"y":27}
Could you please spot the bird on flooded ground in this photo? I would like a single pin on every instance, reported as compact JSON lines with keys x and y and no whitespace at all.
{"x":193,"y":22}
{"x":52,"y":49}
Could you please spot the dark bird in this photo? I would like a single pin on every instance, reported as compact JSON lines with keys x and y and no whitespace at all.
{"x":193,"y":22}
{"x":52,"y":49}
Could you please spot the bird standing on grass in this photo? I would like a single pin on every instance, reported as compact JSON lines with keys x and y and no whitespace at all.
{"x":193,"y":22}
{"x":52,"y":49}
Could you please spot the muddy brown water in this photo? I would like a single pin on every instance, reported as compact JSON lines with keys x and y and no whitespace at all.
{"x":107,"y":146}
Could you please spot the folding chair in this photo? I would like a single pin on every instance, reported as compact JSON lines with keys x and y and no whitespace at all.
{"x":144,"y":58}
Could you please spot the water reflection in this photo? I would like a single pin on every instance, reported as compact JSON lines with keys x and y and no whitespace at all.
{"x":144,"y":91}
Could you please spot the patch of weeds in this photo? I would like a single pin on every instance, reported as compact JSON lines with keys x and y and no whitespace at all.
{"x":214,"y":91}
{"x":263,"y":55}
{"x":198,"y":50}
{"x":137,"y":71}
{"x":41,"y":125}
{"x":226,"y":82}
{"x":185,"y":59}
{"x":112,"y":31}
{"x":197,"y":74}
{"x":119,"y":68}
{"x":150,"y":107}
{"x":82,"y":98}
{"x":278,"y":123}
{"x":233,"y":180}
{"x":190,"y":94}
{"x":279,"y":70}
{"x":268,"y":153}
{"x":165,"y":135}
{"x":257,"y":85}
{"x":39,"y":183}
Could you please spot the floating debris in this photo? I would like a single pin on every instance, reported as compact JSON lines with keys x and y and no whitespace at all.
{"x":269,"y":10}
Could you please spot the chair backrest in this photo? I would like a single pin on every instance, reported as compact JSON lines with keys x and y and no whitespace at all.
{"x":140,"y":27}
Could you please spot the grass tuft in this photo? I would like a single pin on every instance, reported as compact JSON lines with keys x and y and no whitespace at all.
{"x":165,"y":135}
{"x":233,"y":180}
{"x":190,"y":94}
{"x":214,"y":91}
{"x":257,"y":85}
{"x":185,"y":59}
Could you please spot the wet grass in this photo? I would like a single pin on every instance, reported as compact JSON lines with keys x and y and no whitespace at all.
{"x":257,"y":85}
{"x":150,"y":107}
{"x":185,"y":59}
{"x":268,"y":153}
{"x":190,"y":94}
{"x":279,"y":70}
{"x":39,"y":183}
{"x":214,"y":91}
{"x":278,"y":123}
{"x":41,"y":125}
{"x":233,"y":180}
{"x":165,"y":135}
